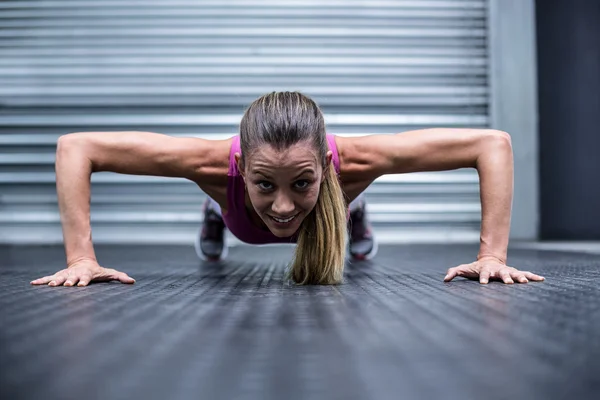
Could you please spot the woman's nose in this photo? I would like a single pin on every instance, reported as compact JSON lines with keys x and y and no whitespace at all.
{"x":283,"y":205}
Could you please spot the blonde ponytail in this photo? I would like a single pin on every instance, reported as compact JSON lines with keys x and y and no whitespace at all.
{"x":321,"y":247}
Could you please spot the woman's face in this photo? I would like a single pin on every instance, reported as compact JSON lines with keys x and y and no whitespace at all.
{"x":283,"y":186}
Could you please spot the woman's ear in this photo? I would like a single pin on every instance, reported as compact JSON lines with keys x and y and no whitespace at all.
{"x":329,"y":157}
{"x":238,"y":162}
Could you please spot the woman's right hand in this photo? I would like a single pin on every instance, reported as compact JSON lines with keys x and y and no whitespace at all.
{"x":81,"y":273}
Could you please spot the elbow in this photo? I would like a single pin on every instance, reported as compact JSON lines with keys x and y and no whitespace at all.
{"x":498,"y":137}
{"x":66,"y":143}
{"x":72,"y":145}
{"x":494,"y":145}
{"x":493,"y":141}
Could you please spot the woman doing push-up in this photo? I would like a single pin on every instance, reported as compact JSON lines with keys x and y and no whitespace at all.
{"x":285,"y":180}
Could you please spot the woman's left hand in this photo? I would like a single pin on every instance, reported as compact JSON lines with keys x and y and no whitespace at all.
{"x":487,"y":268}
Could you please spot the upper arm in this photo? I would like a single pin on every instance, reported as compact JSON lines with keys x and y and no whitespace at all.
{"x":427,"y":150}
{"x":146,"y":153}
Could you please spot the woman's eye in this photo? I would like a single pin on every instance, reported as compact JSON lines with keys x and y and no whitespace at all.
{"x":303,"y":184}
{"x":265,"y":185}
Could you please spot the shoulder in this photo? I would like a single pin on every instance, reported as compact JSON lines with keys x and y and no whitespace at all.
{"x":359,"y":163}
{"x":358,"y":156}
{"x":212,"y":168}
{"x":211,"y":159}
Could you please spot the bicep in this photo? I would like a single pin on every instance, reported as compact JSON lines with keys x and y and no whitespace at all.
{"x":436,"y":149}
{"x":141,"y":153}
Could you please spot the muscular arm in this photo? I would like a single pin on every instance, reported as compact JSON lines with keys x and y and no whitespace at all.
{"x":489,"y":151}
{"x":78,"y":155}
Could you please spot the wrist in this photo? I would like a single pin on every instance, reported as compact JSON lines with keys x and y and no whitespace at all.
{"x":500,"y":259}
{"x":75,"y":260}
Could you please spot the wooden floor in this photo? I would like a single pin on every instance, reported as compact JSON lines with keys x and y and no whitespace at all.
{"x":237,"y":330}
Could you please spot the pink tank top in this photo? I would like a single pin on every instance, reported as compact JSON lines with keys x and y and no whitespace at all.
{"x":237,"y":219}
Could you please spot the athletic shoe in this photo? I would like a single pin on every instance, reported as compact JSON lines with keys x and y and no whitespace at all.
{"x":210,"y":241}
{"x":363,"y":245}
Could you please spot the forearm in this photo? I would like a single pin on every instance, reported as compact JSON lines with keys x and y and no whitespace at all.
{"x":495,"y":168}
{"x":73,"y":171}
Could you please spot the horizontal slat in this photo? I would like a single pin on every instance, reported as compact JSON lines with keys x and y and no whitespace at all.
{"x":26,"y":159}
{"x":254,"y":60}
{"x":38,"y":139}
{"x":241,"y":90}
{"x":221,"y":41}
{"x":103,"y":177}
{"x":142,"y":208}
{"x":437,"y":213}
{"x":221,"y":12}
{"x":227,"y":109}
{"x":251,"y":32}
{"x":241,"y":101}
{"x":9,"y":140}
{"x":91,"y":4}
{"x":256,"y":50}
{"x":463,"y":69}
{"x":45,"y":196}
{"x":188,"y":192}
{"x":66,"y":25}
{"x":407,"y":81}
{"x":233,"y":119}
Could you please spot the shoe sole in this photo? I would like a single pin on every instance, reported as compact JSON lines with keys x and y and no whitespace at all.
{"x":369,"y":255}
{"x":203,"y":257}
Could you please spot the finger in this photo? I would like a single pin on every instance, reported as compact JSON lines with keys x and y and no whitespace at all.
{"x":84,"y":280}
{"x":484,"y":276}
{"x":518,"y":276}
{"x":58,"y":280}
{"x":42,"y":281}
{"x":533,"y":277}
{"x":505,"y":276}
{"x":452,"y":273}
{"x":119,"y":276}
{"x":124,"y":278}
{"x":72,"y":280}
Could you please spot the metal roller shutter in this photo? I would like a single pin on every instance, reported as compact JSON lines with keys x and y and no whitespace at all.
{"x":188,"y":68}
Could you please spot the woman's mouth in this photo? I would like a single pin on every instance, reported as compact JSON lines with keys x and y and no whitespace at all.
{"x":283,"y":221}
